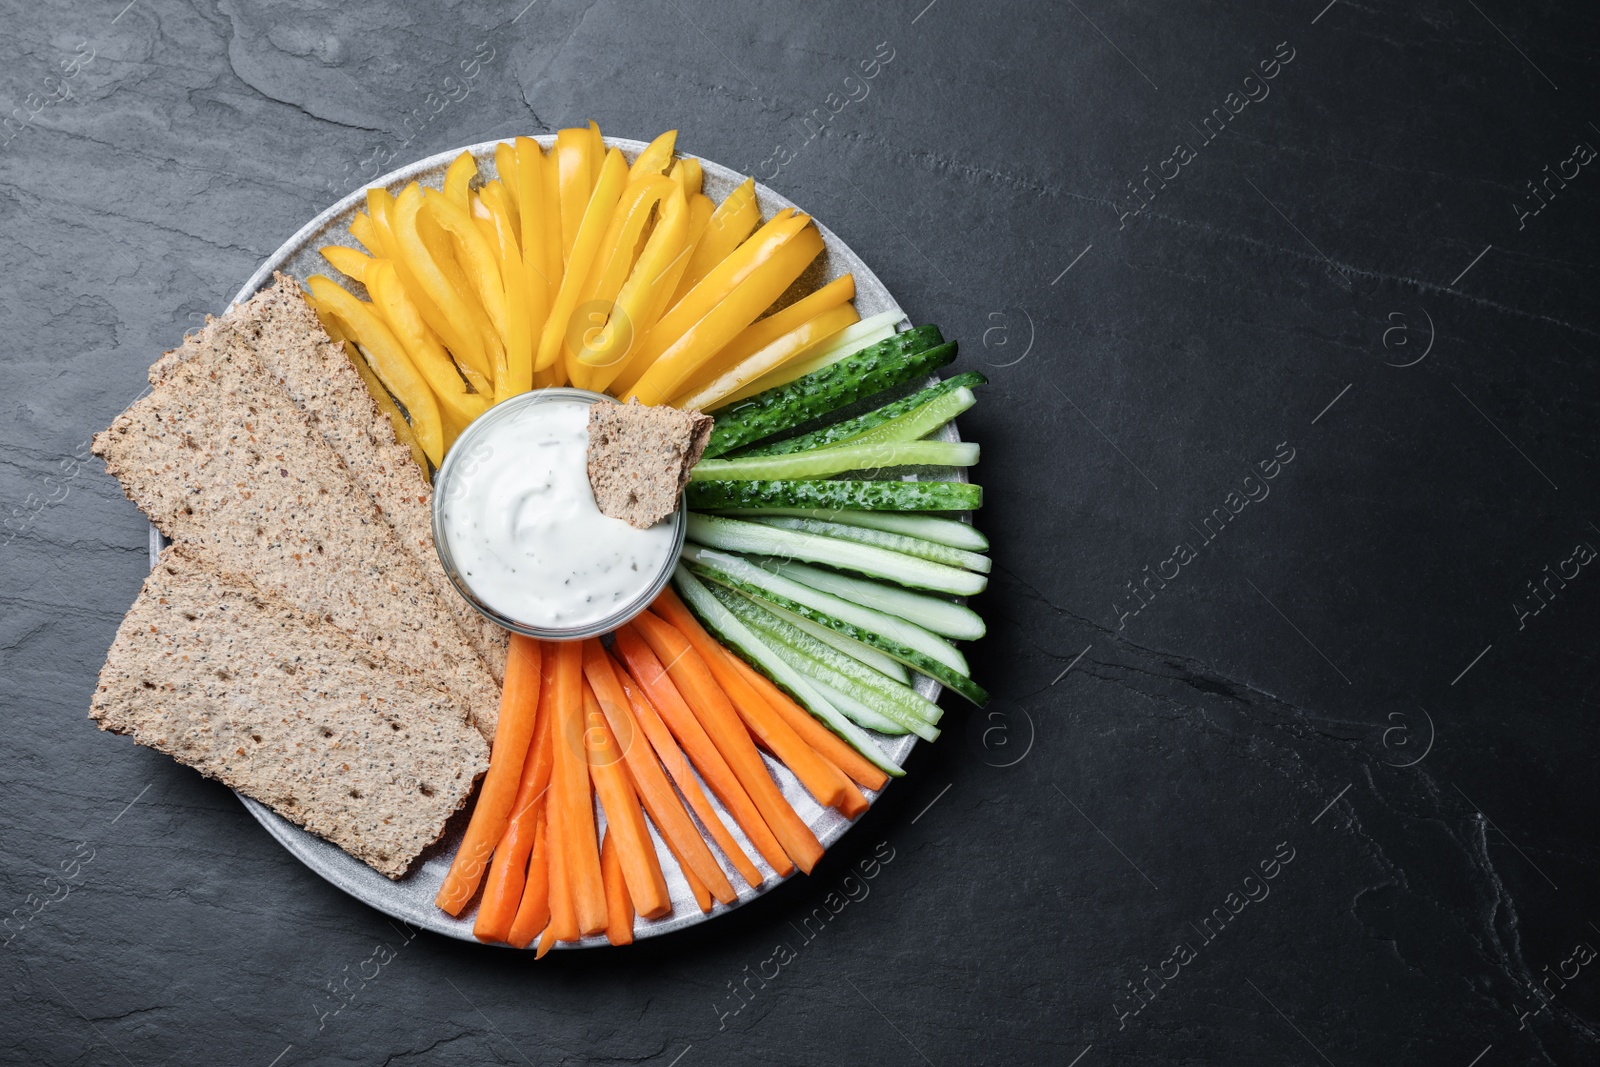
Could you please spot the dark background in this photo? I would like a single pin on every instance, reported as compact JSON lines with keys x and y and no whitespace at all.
{"x":1343,"y":676}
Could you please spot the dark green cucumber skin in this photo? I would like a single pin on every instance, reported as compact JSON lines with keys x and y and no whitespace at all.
{"x":844,"y":495}
{"x":839,"y":431}
{"x":885,"y":365}
{"x":946,"y":677}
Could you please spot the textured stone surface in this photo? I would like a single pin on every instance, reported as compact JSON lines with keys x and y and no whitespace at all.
{"x":1295,"y":663}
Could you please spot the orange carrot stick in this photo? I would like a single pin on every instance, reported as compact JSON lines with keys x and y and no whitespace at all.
{"x":677,"y":765}
{"x":574,"y":811}
{"x":828,"y":744}
{"x":702,"y":895}
{"x":533,"y":913}
{"x":502,"y":891}
{"x":519,"y":705}
{"x":619,"y":906}
{"x":563,"y":925}
{"x":853,"y":803}
{"x":712,"y":707}
{"x":649,"y":781}
{"x":821,"y":778}
{"x":636,"y":851}
{"x":702,"y":751}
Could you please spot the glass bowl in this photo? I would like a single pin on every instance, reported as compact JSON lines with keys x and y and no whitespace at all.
{"x":465,"y":452}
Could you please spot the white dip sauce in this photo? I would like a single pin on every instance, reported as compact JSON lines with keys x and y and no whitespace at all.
{"x":523,"y":529}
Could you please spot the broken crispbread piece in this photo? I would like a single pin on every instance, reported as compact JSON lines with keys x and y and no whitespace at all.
{"x":288,"y":709}
{"x":640,"y":458}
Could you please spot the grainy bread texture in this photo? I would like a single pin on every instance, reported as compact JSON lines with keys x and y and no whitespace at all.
{"x":221,"y":461}
{"x":193,"y":344}
{"x":287,"y":709}
{"x":640,"y":457}
{"x":291,"y":345}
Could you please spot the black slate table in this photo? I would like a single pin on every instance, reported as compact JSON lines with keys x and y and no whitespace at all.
{"x":1289,"y":313}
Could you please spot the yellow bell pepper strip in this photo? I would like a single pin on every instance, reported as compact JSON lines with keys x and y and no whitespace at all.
{"x":498,"y":363}
{"x":596,"y":338}
{"x":453,"y":427}
{"x":483,"y":220}
{"x":687,"y":173}
{"x":573,"y":150}
{"x":519,"y":326}
{"x":456,"y":323}
{"x":583,"y":329}
{"x":655,"y":158}
{"x":764,"y":331}
{"x":442,"y":247}
{"x":458,"y":178}
{"x":754,"y":295}
{"x":733,"y":268}
{"x":362,"y":230}
{"x":422,"y":346}
{"x":790,"y":346}
{"x":329,"y":326}
{"x":597,"y":148}
{"x":347,"y":261}
{"x":531,"y":230}
{"x":700,"y":211}
{"x":665,"y":282}
{"x":735,"y":219}
{"x":712,"y":290}
{"x":613,"y":261}
{"x":630,"y":319}
{"x":380,"y":396}
{"x":505,"y":168}
{"x":596,"y":220}
{"x":375,"y":389}
{"x":555,"y":251}
{"x":474,"y":253}
{"x":494,"y":342}
{"x":361,"y":324}
{"x":380,"y":204}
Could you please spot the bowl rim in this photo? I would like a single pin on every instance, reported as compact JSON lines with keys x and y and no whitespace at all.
{"x":483,"y":424}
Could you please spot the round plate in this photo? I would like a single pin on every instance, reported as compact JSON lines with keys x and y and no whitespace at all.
{"x":411,"y":898}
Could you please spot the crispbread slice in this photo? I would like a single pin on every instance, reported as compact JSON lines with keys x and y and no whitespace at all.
{"x":192,"y":344}
{"x":639,"y":458}
{"x":220,"y":459}
{"x":289,"y":710}
{"x":291,"y":345}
